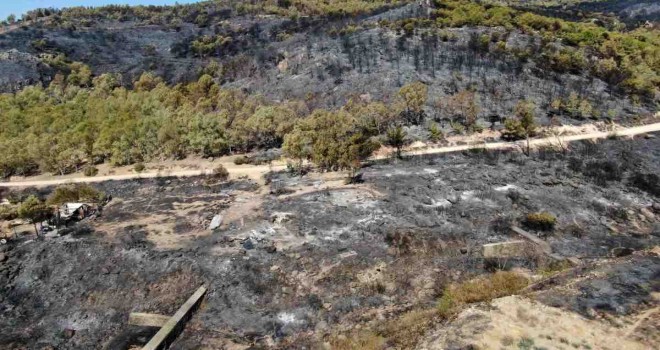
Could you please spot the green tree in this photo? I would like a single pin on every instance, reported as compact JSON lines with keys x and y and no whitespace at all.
{"x":412,"y":98}
{"x":81,"y":74}
{"x":396,"y":137}
{"x":525,"y":112}
{"x":106,"y":83}
{"x":147,"y":82}
{"x":332,"y":141}
{"x":11,"y":19}
{"x":523,"y":125}
{"x":74,"y":193}
{"x":35,"y":211}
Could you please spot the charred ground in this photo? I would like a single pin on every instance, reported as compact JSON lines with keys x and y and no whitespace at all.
{"x":323,"y":258}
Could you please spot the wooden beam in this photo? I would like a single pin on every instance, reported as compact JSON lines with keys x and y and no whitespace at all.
{"x":148,"y":320}
{"x":539,"y":242}
{"x":545,"y":247}
{"x":175,"y":324}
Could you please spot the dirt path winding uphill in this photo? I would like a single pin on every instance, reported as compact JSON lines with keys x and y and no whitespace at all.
{"x":256,"y":172}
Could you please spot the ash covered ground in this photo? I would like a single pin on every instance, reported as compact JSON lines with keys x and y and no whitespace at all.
{"x":305,"y":257}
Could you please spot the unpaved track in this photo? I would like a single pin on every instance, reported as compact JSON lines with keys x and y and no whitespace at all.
{"x":552,"y":140}
{"x":255,"y":172}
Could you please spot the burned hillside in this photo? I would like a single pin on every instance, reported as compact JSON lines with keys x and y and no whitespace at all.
{"x":354,"y":174}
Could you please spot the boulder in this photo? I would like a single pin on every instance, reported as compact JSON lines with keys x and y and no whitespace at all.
{"x":215,"y":222}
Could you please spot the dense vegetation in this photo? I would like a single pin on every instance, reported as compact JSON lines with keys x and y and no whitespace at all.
{"x":78,"y":120}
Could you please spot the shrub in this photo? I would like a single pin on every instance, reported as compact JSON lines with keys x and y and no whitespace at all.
{"x":604,"y":170}
{"x":523,"y":126}
{"x":540,"y":221}
{"x":90,"y":171}
{"x":401,"y":241}
{"x":435,"y":133}
{"x":646,"y":182}
{"x":241,"y":160}
{"x":364,"y":339}
{"x":513,"y":130}
{"x":575,"y":164}
{"x":397,"y":138}
{"x":221,"y":173}
{"x":354,"y":179}
{"x":139,"y":167}
{"x":8,"y":212}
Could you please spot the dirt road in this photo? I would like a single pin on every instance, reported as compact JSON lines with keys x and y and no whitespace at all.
{"x":256,"y":172}
{"x":552,"y":140}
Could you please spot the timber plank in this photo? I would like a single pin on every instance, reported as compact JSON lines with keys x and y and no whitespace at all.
{"x":174,"y":325}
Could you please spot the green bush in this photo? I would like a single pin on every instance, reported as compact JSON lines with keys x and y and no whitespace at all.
{"x":241,"y":160}
{"x":139,"y":167}
{"x":90,"y":171}
{"x":8,"y":212}
{"x":540,"y":221}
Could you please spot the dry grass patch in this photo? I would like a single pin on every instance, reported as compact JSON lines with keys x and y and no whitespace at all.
{"x":357,"y":340}
{"x":405,"y":331}
{"x":497,"y":285}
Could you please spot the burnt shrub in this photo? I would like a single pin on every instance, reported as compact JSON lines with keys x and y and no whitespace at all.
{"x":618,"y":214}
{"x":514,"y":195}
{"x":502,"y":223}
{"x":575,"y":230}
{"x":575,"y":164}
{"x":603,"y":171}
{"x":543,"y":221}
{"x":646,"y":182}
{"x":354,"y":179}
{"x":220,"y":173}
{"x":401,"y":241}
